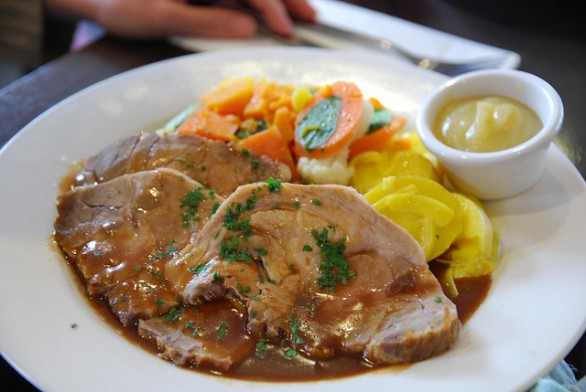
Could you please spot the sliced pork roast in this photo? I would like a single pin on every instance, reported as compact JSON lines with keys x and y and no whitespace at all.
{"x":319,"y":268}
{"x":209,"y":335}
{"x":217,"y":165}
{"x":120,"y":233}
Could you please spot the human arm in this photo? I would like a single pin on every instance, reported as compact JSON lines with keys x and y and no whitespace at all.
{"x":161,"y":18}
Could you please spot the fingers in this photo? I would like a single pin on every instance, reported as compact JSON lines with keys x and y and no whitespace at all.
{"x":181,"y":19}
{"x":161,"y":18}
{"x":300,"y":9}
{"x":277,"y":13}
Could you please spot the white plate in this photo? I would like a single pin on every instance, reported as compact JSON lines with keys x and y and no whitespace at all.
{"x":532,"y":317}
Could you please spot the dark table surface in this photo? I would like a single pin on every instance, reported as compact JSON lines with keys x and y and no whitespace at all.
{"x":549,"y":36}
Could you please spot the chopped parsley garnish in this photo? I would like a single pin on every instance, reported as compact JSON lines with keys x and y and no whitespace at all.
{"x":316,"y":202}
{"x":234,"y":212}
{"x":198,"y":269}
{"x":192,"y":325}
{"x":173,"y":315}
{"x":168,"y":251}
{"x":274,"y":185}
{"x":295,"y":330}
{"x":307,"y":248}
{"x":222,"y":329}
{"x":261,"y":347}
{"x":261,"y":251}
{"x":73,"y":325}
{"x":159,"y":302}
{"x":290,"y":353}
{"x":242,"y":290}
{"x":230,"y":252}
{"x":334,"y":268}
{"x":438,"y":299}
{"x":190,"y":203}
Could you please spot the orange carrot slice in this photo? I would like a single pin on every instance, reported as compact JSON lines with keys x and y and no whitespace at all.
{"x":348,"y":121}
{"x":230,"y":97}
{"x":284,"y":120}
{"x":271,"y":143}
{"x":377,"y":141}
{"x":210,"y":124}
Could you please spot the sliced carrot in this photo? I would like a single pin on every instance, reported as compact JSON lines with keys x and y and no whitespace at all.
{"x":347,"y":124}
{"x":257,"y":107}
{"x":205,"y":122}
{"x":285,"y":121}
{"x":271,"y":143}
{"x":230,"y":97}
{"x":377,"y":141}
{"x":376,"y":104}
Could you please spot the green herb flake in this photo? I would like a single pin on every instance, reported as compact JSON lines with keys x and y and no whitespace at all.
{"x":243,"y":290}
{"x":261,"y":251}
{"x":290,"y":353}
{"x":190,"y":203}
{"x":73,"y":325}
{"x":307,"y":248}
{"x":438,"y":299}
{"x":316,"y":202}
{"x":198,"y":269}
{"x":334,"y":268}
{"x":193,"y":326}
{"x":230,"y":252}
{"x":274,"y":185}
{"x":222,"y":330}
{"x":261,"y":346}
{"x":295,"y":330}
{"x":173,"y":315}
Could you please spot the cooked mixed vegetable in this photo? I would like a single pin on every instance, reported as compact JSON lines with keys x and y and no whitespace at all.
{"x":333,"y":134}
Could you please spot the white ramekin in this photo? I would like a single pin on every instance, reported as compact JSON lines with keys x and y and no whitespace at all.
{"x":500,"y":174}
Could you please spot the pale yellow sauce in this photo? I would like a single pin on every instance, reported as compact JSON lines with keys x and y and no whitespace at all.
{"x":485,"y":124}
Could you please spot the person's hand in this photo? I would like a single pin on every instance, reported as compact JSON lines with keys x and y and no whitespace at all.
{"x":161,"y":18}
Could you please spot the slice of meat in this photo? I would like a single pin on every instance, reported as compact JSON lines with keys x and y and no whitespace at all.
{"x":319,"y":266}
{"x":206,"y":336}
{"x":217,"y":165}
{"x":120,"y":233}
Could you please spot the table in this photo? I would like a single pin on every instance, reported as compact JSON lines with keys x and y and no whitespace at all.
{"x":548,"y":36}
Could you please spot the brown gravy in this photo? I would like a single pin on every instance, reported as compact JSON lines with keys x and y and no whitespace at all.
{"x":273,"y":365}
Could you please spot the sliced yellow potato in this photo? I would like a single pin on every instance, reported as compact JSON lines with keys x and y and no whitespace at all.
{"x":427,"y":210}
{"x":371,"y":167}
{"x":419,"y":215}
{"x":475,"y":251}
